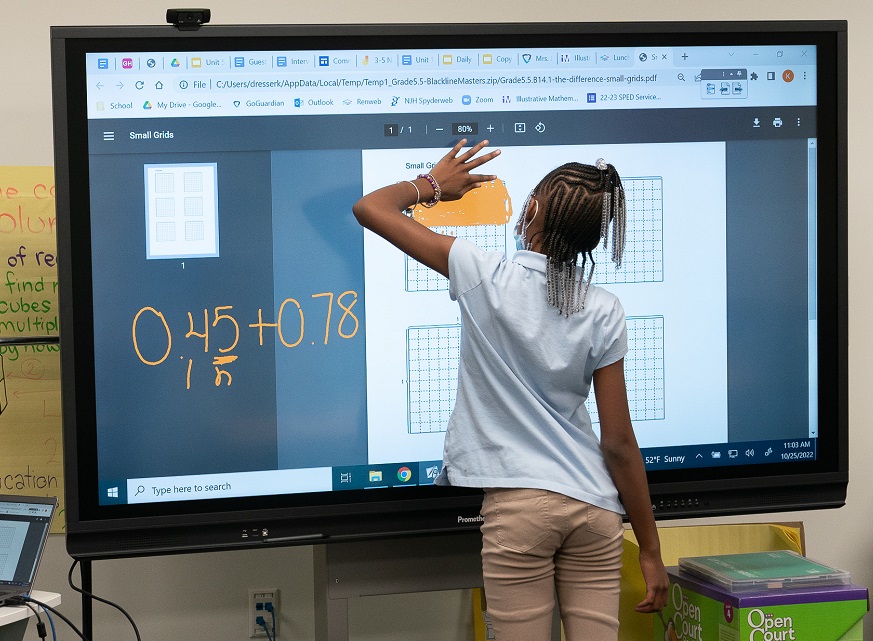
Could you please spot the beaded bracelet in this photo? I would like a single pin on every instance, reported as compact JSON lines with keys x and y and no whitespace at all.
{"x":437,"y":192}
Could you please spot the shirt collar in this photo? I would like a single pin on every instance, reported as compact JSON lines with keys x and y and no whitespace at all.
{"x":531,"y":260}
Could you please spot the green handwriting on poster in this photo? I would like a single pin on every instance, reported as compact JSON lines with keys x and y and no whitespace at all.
{"x":31,"y":455}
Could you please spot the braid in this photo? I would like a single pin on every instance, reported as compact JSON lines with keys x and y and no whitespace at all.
{"x":580,"y":202}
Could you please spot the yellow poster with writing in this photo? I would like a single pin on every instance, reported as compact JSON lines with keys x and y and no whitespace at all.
{"x":31,"y":453}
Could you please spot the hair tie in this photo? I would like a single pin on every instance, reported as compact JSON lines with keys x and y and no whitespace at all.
{"x":601,"y":164}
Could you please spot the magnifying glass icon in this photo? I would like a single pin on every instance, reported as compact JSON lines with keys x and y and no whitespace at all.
{"x":139,"y":490}
{"x":681,"y":77}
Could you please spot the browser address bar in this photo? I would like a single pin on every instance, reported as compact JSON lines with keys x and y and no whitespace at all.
{"x":436,"y":81}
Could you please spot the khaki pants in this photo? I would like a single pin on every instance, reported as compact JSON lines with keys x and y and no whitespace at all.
{"x":538,"y":543}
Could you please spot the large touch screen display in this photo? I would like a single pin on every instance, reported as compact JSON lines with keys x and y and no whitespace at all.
{"x":250,"y":338}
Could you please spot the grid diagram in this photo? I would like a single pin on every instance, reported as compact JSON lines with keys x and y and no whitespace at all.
{"x":432,"y":371}
{"x":644,"y":370}
{"x":643,"y":260}
{"x":433,"y":353}
{"x":165,"y":232}
{"x":194,"y":230}
{"x":193,"y":205}
{"x":193,"y":181}
{"x":165,"y":183}
{"x":423,"y":279}
{"x":7,"y":534}
{"x":165,"y":207}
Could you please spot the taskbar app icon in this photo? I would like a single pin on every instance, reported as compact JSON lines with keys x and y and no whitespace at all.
{"x":357,"y":477}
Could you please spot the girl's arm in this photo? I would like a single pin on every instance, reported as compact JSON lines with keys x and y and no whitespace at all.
{"x":382,"y":210}
{"x":625,"y":463}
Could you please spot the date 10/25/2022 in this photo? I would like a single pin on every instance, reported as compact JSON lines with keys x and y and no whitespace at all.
{"x":290,"y":328}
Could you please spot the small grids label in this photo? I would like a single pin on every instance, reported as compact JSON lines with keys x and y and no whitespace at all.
{"x":432,"y":364}
{"x":644,"y":370}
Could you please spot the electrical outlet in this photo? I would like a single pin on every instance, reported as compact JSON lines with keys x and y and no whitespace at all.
{"x":261,"y":601}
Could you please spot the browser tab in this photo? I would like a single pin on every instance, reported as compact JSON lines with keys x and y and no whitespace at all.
{"x":100,"y":63}
{"x":419,"y":59}
{"x":339,"y":60}
{"x":254,"y":61}
{"x":583,"y":58}
{"x":651,"y":57}
{"x":538,"y":58}
{"x":498,"y":59}
{"x":462,"y":60}
{"x":378,"y":60}
{"x":295,"y":61}
{"x":615,"y":57}
{"x":211,"y":61}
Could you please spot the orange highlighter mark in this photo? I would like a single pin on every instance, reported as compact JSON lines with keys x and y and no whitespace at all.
{"x":490,"y":204}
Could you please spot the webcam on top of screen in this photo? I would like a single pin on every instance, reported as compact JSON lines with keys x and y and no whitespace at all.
{"x":188,"y":19}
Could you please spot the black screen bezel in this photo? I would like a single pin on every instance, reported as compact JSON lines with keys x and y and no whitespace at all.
{"x":95,"y":530}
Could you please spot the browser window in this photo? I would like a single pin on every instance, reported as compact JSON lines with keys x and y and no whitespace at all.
{"x":222,"y":183}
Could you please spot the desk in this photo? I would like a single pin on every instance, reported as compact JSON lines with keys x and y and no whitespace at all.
{"x":14,"y":618}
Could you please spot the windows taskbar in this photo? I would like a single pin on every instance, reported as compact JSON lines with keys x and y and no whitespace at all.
{"x":729,"y":454}
{"x":417,"y":473}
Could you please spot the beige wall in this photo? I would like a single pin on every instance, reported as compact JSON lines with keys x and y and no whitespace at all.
{"x":203,"y":596}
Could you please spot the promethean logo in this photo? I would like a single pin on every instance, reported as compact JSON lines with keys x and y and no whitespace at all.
{"x":471,"y":519}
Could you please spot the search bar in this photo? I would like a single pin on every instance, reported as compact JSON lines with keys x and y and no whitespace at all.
{"x":236,"y":484}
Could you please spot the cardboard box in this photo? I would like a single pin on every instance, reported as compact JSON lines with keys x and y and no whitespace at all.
{"x":694,"y":540}
{"x":704,"y":611}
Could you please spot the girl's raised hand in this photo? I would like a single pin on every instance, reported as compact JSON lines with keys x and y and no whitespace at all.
{"x":452,"y":172}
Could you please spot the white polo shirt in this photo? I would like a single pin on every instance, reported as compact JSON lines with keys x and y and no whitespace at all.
{"x":525,"y":372}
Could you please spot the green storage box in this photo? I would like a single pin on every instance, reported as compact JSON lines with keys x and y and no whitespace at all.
{"x":702,"y":611}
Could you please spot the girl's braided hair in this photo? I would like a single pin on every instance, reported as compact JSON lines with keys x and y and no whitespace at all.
{"x":580,"y":202}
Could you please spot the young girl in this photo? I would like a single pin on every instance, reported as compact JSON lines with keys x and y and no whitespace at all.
{"x":535,"y":334}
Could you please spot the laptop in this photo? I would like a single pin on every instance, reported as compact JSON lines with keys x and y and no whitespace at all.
{"x":25,"y":522}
